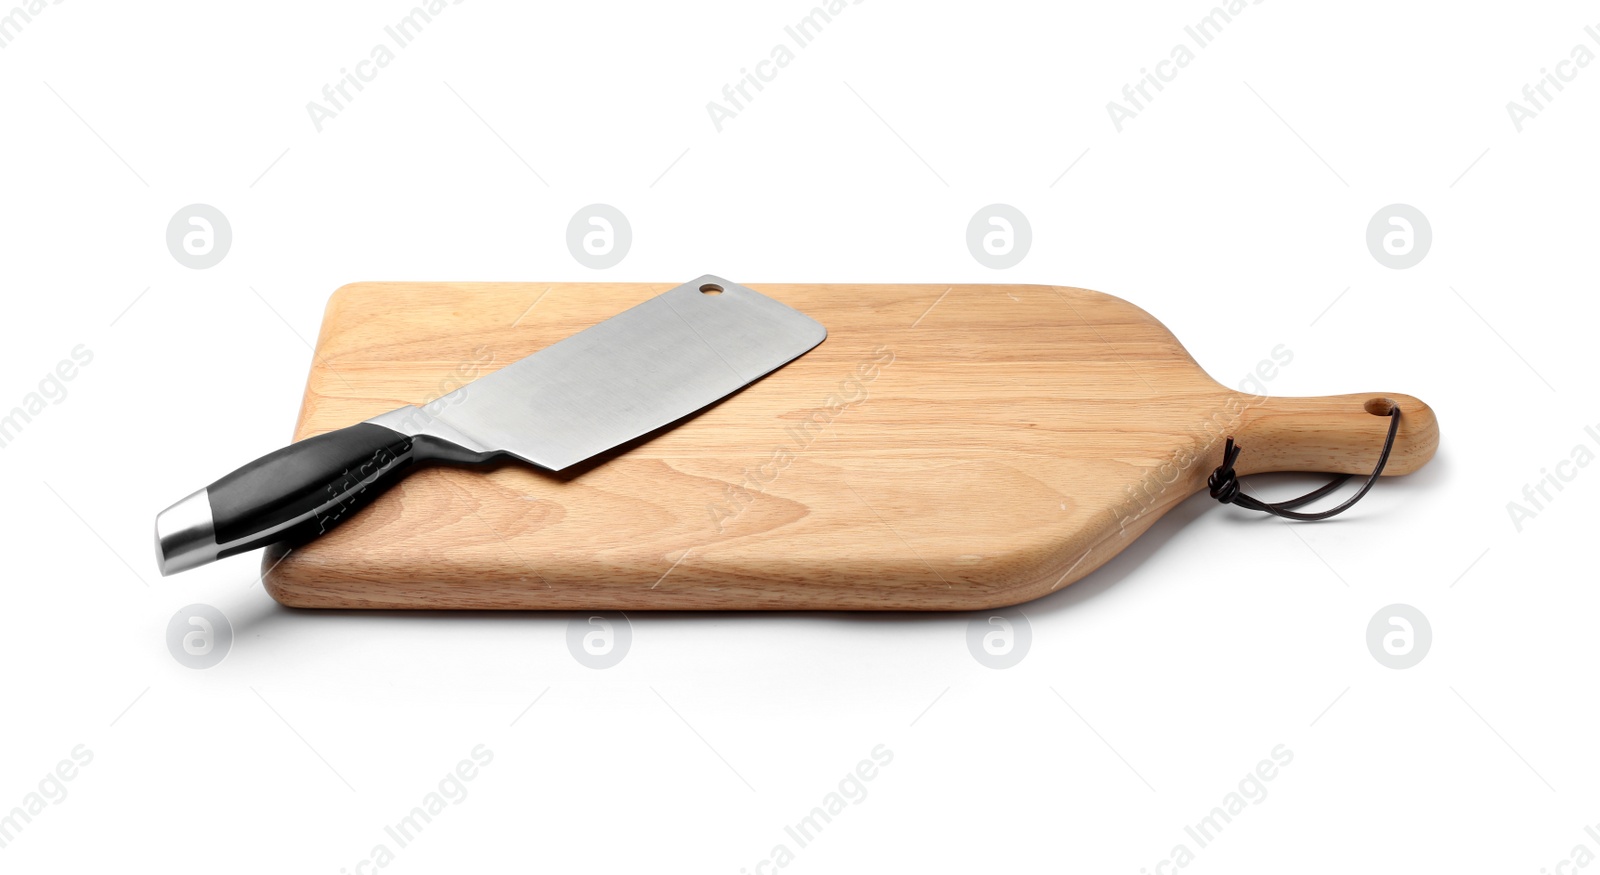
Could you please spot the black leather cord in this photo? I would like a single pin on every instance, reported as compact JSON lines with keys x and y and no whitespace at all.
{"x":1224,"y":483}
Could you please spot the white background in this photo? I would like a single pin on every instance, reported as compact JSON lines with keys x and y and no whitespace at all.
{"x":1234,"y":207}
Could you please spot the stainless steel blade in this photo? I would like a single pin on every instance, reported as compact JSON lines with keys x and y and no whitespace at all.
{"x":627,"y":376}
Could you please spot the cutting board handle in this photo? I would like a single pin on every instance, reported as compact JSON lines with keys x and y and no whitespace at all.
{"x":1335,"y":434}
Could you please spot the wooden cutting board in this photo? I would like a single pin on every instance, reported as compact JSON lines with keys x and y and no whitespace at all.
{"x":946,"y":448}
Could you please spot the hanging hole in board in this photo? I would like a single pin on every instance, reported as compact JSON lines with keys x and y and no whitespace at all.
{"x":1380,"y":406}
{"x":711,"y":289}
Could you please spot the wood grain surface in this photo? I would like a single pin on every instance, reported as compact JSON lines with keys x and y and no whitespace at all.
{"x":946,"y":448}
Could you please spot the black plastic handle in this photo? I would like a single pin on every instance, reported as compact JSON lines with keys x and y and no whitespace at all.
{"x":309,"y":486}
{"x":293,"y":494}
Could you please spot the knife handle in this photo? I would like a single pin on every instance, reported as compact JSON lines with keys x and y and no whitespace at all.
{"x":295,"y":493}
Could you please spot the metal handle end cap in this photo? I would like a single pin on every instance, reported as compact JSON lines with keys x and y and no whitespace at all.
{"x":186,"y":537}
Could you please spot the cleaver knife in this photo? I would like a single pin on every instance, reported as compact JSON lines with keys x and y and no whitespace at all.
{"x":637,"y":371}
